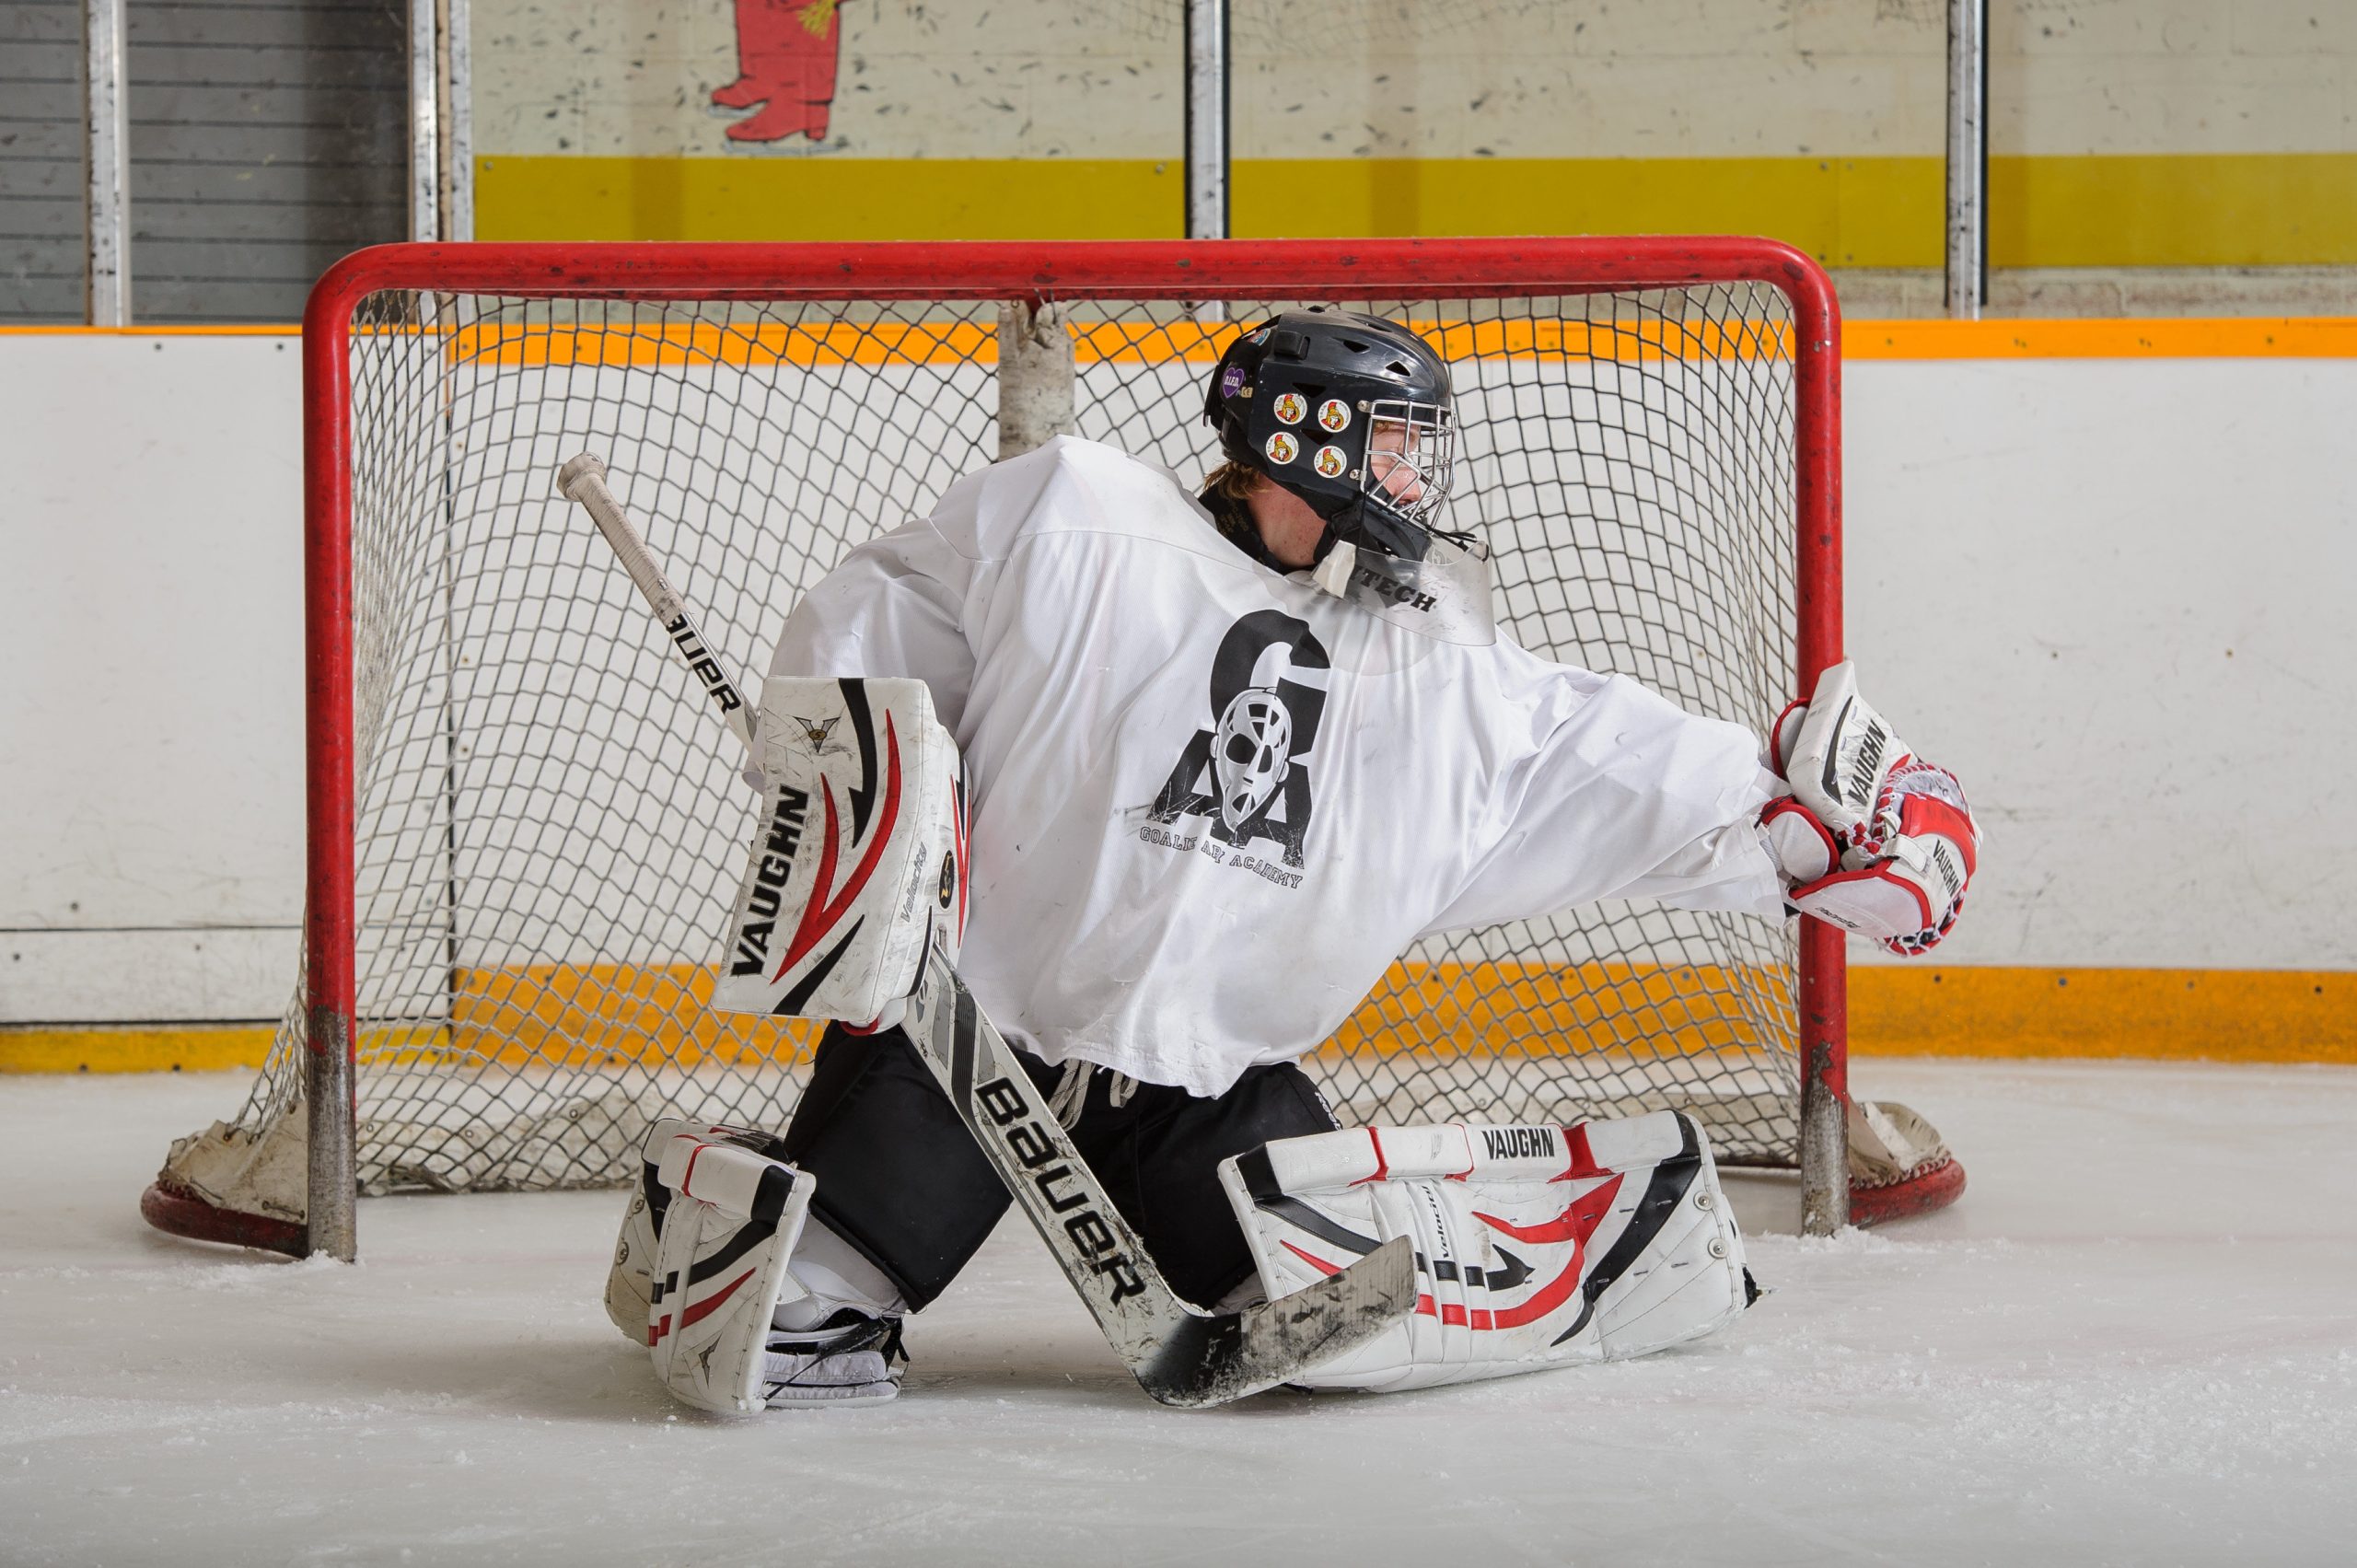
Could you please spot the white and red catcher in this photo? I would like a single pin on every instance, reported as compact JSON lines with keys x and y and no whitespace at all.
{"x":1872,"y":838}
{"x":865,"y":764}
{"x":1536,"y":1246}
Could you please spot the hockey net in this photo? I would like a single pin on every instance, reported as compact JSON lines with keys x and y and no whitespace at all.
{"x":545,"y":822}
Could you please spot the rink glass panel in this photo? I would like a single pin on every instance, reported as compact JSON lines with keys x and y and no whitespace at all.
{"x":549,"y":823}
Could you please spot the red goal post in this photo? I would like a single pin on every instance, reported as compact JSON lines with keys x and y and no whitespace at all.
{"x":1640,"y":286}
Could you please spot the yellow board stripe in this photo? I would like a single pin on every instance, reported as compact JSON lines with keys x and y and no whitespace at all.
{"x":587,"y":1015}
{"x":904,"y":342}
{"x":581,"y":1015}
{"x":2250,"y":337}
{"x":2171,"y":1015}
{"x":2162,"y":1014}
{"x":133,"y":1048}
{"x":224,"y":330}
{"x":2162,"y":210}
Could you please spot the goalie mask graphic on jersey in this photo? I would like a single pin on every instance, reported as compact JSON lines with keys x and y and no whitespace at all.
{"x":1251,"y":754}
{"x":1248,"y":771}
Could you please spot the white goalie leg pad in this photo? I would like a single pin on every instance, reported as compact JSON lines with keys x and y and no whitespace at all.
{"x":629,"y":1279}
{"x":1536,"y":1246}
{"x":859,"y":860}
{"x":729,"y":1228}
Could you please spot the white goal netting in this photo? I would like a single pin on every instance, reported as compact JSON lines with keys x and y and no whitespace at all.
{"x":550,"y":824}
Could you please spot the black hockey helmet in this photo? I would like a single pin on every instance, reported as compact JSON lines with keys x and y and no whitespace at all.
{"x":1301,"y":397}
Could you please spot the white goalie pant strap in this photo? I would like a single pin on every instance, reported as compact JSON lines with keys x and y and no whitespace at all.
{"x":728,"y":1232}
{"x":1536,"y":1245}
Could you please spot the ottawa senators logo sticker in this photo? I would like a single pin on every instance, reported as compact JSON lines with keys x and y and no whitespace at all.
{"x":1281,"y":449}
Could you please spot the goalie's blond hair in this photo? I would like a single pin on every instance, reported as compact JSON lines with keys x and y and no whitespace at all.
{"x":1225,"y":490}
{"x":1233,"y":483}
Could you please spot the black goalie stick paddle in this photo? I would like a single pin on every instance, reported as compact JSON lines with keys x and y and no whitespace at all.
{"x":1180,"y":1354}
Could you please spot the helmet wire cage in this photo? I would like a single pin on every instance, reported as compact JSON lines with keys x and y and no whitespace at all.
{"x":1412,"y":478}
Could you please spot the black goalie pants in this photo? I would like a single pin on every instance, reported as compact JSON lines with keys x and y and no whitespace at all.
{"x":900,"y":1179}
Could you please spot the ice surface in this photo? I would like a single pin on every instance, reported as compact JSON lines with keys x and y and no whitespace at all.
{"x":2134,"y":1341}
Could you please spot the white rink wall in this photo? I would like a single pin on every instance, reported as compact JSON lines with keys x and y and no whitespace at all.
{"x":151,"y":784}
{"x":2112,"y":594}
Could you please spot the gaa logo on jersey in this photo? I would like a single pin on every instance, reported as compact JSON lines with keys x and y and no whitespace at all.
{"x":1290,"y":408}
{"x":1281,"y":449}
{"x":1333,"y":414}
{"x":1248,"y":771}
{"x":1330,"y":463}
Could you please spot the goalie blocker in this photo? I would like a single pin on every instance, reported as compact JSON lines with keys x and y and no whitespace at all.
{"x":850,"y":942}
{"x":1535,"y":1246}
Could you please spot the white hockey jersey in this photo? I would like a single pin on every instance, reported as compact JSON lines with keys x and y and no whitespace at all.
{"x":1212,"y":804}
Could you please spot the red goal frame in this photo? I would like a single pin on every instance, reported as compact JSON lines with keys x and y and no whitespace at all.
{"x":1039,"y":273}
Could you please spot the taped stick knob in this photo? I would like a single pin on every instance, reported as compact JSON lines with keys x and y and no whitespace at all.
{"x":586,"y":466}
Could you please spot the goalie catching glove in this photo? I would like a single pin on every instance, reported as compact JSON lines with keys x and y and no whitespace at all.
{"x":1871,"y":839}
{"x":1535,"y":1246}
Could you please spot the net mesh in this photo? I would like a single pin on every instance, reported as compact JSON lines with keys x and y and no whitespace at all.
{"x":549,"y":823}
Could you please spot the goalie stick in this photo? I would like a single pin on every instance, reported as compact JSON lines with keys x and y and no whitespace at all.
{"x":583,"y":481}
{"x":1180,"y":1354}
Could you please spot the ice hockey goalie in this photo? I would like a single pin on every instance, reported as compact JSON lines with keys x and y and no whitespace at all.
{"x":1220,"y":754}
